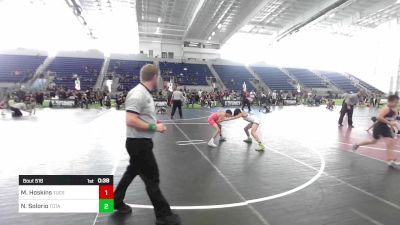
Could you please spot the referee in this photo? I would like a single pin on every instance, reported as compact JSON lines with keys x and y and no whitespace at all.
{"x":177,"y":100}
{"x":348,"y":106}
{"x":141,"y":125}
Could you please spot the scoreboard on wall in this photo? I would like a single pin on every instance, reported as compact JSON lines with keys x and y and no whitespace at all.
{"x":66,"y":194}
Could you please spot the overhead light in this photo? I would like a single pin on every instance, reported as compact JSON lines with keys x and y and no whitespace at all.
{"x":213,"y":33}
{"x":159,"y":19}
{"x":158,"y":30}
{"x":209,"y":38}
{"x":398,"y":1}
{"x":219,"y":26}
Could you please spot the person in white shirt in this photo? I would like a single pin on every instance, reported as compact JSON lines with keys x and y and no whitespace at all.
{"x":274,"y":97}
{"x":177,"y":100}
{"x":141,"y":126}
{"x":252,"y":95}
{"x":254,"y":122}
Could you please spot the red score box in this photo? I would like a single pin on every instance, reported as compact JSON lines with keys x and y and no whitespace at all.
{"x":106,"y":192}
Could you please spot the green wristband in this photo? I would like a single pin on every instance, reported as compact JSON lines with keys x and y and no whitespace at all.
{"x":152,"y":127}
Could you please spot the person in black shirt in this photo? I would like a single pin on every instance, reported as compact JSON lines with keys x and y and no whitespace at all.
{"x":385,"y":127}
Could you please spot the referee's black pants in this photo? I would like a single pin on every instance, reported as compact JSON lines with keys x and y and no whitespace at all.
{"x":247,"y":103}
{"x":143,"y":163}
{"x":349,"y":112}
{"x":176,"y":104}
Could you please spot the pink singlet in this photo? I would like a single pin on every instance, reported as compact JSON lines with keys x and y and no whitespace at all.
{"x":213,"y":119}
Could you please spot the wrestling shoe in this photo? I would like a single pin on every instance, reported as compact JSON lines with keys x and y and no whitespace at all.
{"x":211,"y":144}
{"x":172,"y":219}
{"x":393,"y":163}
{"x":248,"y":140}
{"x":260,"y":148}
{"x":123,"y":209}
{"x":221,"y":139}
{"x":355,"y":147}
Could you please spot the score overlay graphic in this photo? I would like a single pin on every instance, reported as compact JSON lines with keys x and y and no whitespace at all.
{"x":66,"y":194}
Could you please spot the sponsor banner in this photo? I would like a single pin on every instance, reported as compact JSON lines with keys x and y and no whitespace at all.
{"x":65,"y":103}
{"x":289,"y":102}
{"x":160,"y":103}
{"x":232,"y":103}
{"x":383,"y":101}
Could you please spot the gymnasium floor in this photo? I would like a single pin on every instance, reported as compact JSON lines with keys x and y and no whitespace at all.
{"x":307,"y":175}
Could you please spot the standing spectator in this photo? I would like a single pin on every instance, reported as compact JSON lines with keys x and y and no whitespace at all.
{"x":39,"y":98}
{"x":372,"y":101}
{"x":99,"y":97}
{"x":274,"y":97}
{"x":377,"y":101}
{"x":252,"y":96}
{"x":107,"y":101}
{"x":119,"y":102}
{"x":191,"y":99}
{"x":246,"y":101}
{"x":84,"y":102}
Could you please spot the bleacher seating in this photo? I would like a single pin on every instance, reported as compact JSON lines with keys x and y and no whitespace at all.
{"x":307,"y":78}
{"x":18,"y":68}
{"x":368,"y":86}
{"x":274,"y":78}
{"x":340,"y":81}
{"x":128,"y":72}
{"x":186,"y":73}
{"x":234,"y":76}
{"x":87,"y":69}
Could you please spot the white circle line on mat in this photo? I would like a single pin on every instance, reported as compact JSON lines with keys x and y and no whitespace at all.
{"x":251,"y":201}
{"x":196,"y":118}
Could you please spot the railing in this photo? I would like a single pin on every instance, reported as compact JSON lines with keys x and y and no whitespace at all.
{"x":257,"y":77}
{"x":219,"y":81}
{"x":101,"y":78}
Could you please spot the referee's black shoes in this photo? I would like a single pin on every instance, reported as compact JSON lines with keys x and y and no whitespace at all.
{"x":172,"y":219}
{"x":123,"y":209}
